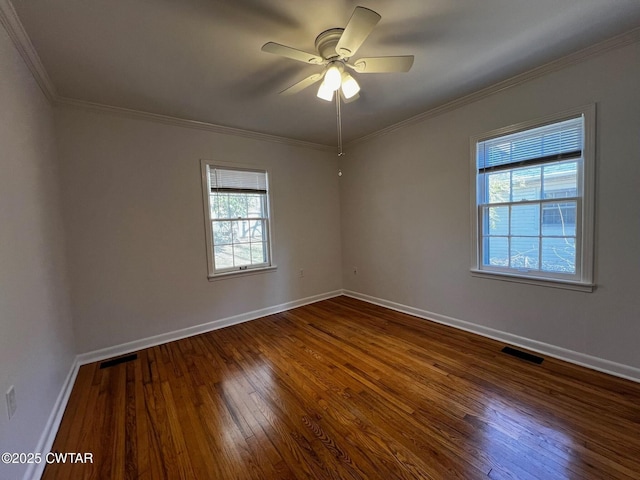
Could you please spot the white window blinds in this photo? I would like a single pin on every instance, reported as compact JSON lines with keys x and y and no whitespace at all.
{"x":238,"y":181}
{"x":558,"y":141}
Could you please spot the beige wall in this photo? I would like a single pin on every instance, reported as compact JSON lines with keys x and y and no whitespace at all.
{"x":134,"y":218}
{"x":406,"y":215}
{"x":36,"y":336}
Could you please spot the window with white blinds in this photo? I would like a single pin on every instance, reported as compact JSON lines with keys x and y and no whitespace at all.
{"x":533,"y":200}
{"x":237,"y":219}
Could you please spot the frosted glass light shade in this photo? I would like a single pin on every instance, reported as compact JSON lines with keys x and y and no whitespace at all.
{"x":349,"y":86}
{"x":333,"y":78}
{"x":324,"y":92}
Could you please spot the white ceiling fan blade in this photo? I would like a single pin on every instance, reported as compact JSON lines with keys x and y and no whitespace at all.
{"x":302,"y":84}
{"x":401,"y":63}
{"x":357,"y":30}
{"x":292,"y":53}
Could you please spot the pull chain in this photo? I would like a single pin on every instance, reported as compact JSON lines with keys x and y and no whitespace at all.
{"x":339,"y":118}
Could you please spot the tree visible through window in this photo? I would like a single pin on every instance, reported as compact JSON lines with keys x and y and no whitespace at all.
{"x":238,"y":219}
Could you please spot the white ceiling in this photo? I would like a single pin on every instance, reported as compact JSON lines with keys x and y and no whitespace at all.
{"x":201,"y":59}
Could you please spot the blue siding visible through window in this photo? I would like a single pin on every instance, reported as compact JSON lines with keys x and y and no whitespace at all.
{"x":529,"y":200}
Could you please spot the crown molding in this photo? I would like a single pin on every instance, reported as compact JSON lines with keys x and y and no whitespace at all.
{"x":9,"y":19}
{"x":627,"y":38}
{"x":181,"y":122}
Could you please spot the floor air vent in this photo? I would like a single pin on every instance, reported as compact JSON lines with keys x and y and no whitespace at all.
{"x":118,"y":361}
{"x":523,"y":355}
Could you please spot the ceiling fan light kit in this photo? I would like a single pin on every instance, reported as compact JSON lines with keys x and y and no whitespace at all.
{"x":335,"y":47}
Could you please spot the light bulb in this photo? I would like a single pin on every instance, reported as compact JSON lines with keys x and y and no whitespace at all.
{"x":349,"y":86}
{"x":324,"y":92}
{"x":333,"y":78}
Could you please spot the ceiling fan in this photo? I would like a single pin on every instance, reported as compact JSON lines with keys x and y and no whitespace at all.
{"x":335,"y":49}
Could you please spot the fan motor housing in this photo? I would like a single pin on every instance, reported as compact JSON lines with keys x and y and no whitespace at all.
{"x":326,"y":43}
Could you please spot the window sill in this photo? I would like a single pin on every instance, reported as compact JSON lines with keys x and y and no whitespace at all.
{"x":237,"y":273}
{"x":541,"y":282}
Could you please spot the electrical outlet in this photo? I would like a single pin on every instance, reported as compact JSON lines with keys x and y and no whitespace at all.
{"x":11,"y":401}
{"x":301,"y":273}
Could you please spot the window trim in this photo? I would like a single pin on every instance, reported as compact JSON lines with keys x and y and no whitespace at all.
{"x":212,"y":275}
{"x":585,"y":248}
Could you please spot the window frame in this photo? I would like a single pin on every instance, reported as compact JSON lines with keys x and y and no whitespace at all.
{"x":585,"y":213}
{"x":212,"y":272}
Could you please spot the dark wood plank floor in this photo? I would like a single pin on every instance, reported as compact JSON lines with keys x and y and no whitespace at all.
{"x":342,"y":389}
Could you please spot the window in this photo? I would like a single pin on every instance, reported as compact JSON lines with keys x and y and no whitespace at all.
{"x":237,"y":219}
{"x":533,"y":200}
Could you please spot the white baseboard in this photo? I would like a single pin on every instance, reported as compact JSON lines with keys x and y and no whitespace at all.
{"x":600,"y":364}
{"x":34,"y":471}
{"x":124,"y":348}
{"x":51,"y":429}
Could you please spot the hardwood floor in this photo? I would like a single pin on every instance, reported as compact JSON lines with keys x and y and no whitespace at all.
{"x":342,"y":389}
